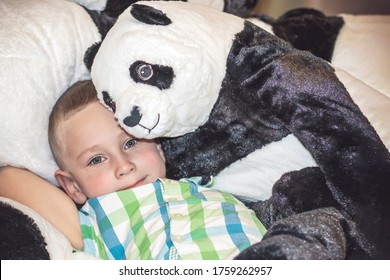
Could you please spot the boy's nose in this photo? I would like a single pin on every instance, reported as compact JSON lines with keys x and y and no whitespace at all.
{"x":124,"y":167}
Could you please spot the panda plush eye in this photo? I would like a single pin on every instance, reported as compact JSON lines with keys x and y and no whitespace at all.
{"x":144,"y":71}
{"x":160,"y":76}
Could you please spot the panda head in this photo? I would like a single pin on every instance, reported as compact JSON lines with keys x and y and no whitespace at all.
{"x":161,"y":66}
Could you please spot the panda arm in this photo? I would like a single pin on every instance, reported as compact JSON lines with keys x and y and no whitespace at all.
{"x":317,"y":109}
{"x":47,"y":200}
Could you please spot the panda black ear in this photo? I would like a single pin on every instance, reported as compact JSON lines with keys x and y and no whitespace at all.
{"x":103,"y":21}
{"x":90,"y":54}
{"x":149,"y":15}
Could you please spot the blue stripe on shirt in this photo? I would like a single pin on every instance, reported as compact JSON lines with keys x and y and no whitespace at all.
{"x":164,"y":217}
{"x":234,"y":226}
{"x":110,"y":238}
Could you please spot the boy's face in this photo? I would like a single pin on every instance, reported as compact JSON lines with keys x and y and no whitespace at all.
{"x":100,"y":157}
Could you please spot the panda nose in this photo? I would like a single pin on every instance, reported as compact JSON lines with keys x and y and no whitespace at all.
{"x":134,"y":118}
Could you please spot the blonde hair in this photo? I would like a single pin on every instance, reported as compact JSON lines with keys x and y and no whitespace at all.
{"x":73,"y":100}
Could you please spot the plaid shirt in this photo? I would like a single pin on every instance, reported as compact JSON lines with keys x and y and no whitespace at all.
{"x":168,"y":220}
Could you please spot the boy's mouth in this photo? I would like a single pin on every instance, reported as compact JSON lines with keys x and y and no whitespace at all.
{"x":138,"y":183}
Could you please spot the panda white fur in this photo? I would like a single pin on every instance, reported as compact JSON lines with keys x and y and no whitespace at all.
{"x":219,"y":90}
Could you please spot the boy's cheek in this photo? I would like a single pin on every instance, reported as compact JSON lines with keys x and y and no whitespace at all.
{"x":96,"y":184}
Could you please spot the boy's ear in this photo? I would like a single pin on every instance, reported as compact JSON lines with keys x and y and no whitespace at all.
{"x":69,"y":185}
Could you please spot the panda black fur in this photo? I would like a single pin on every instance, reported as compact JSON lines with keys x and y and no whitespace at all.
{"x":307,"y":29}
{"x":261,"y":92}
{"x":20,"y":236}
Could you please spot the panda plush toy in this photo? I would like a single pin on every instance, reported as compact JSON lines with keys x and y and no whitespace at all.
{"x":220,"y":91}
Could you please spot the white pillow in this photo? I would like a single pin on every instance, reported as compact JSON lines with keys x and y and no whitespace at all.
{"x":362,"y":49}
{"x":98,"y":5}
{"x":41,"y":54}
{"x":374,"y":104}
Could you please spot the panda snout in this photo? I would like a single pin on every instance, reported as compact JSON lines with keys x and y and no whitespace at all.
{"x":134,"y":118}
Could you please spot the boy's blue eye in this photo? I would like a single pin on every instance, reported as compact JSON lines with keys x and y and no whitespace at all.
{"x":130,"y":143}
{"x":95,"y":160}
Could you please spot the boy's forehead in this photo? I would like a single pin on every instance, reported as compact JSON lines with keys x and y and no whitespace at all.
{"x":94,"y":118}
{"x":92,"y":111}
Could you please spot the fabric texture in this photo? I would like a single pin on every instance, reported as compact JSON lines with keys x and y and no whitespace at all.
{"x":168,"y":220}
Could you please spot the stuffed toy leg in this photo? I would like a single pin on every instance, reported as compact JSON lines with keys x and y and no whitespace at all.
{"x":322,"y":233}
{"x":25,"y":235}
{"x":304,"y":222}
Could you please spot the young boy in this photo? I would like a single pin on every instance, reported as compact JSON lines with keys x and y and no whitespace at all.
{"x":128,"y":211}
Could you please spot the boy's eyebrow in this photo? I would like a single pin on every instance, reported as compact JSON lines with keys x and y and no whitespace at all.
{"x":123,"y":134}
{"x":88,"y":150}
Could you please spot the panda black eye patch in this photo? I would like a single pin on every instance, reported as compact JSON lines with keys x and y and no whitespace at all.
{"x":108,"y":101}
{"x":156,"y":75}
